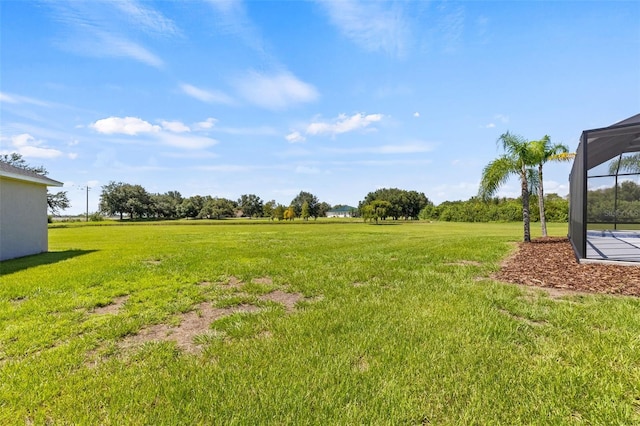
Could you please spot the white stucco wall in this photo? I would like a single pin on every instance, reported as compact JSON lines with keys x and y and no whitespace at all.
{"x":23,"y":218}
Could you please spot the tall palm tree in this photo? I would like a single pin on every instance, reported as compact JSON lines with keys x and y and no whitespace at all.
{"x":545,"y":151}
{"x":517,"y":160}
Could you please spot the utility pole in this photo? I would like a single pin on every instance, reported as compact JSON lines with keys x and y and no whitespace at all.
{"x":86,"y":189}
{"x":87,"y":203}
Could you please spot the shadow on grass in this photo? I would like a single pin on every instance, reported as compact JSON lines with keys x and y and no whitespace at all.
{"x":14,"y":265}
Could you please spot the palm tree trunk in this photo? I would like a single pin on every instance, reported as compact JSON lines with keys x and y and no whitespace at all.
{"x":525,"y":205}
{"x":543,"y":219}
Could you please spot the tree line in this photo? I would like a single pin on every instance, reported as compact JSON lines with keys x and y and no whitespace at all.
{"x":496,"y":209}
{"x":133,"y":201}
{"x":614,"y":205}
{"x":523,"y":158}
{"x":120,"y":199}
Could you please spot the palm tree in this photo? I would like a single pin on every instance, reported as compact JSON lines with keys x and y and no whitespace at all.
{"x":545,"y":151}
{"x":517,"y":160}
{"x":628,"y":164}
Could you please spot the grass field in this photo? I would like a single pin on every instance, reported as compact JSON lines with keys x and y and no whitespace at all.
{"x":394,"y":324}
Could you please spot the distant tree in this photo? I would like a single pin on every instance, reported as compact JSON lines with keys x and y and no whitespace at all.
{"x":290,"y":213}
{"x":190,"y":207}
{"x":268,"y":209}
{"x":217,"y":208}
{"x":55,"y":201}
{"x":166,"y":205}
{"x":323,"y":208}
{"x":311,"y":199}
{"x":366,"y":212}
{"x":545,"y":151}
{"x":517,"y":159}
{"x":251,"y":205}
{"x":278,"y":212}
{"x":304,"y":213}
{"x":375,"y":210}
{"x":406,"y":204}
{"x":113,"y":199}
{"x":138,"y":203}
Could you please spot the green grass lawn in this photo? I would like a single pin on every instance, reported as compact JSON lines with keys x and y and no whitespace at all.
{"x":398,"y":324}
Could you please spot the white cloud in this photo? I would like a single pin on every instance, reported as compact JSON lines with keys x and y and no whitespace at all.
{"x":38,"y":152}
{"x":17,"y":99}
{"x":175,"y":126}
{"x":24,"y":140}
{"x":29,"y":147}
{"x":248,"y":131}
{"x":374,"y":26}
{"x":275,"y":92}
{"x":498,"y":117}
{"x":551,"y":187}
{"x":207,"y":124}
{"x":101,"y":43}
{"x":208,"y":96}
{"x":294,"y":137}
{"x":232,"y":19}
{"x":146,"y":18}
{"x":127,"y":126}
{"x":411,"y":148}
{"x":416,"y":114}
{"x":186,"y":141}
{"x":228,"y":168}
{"x":172,"y":133}
{"x":343,"y":124}
{"x":117,"y":46}
{"x":453,"y":191}
{"x":95,"y":30}
{"x":408,"y":148}
{"x":451,"y":26}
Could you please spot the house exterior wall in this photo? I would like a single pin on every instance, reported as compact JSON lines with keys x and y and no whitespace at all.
{"x":338,"y":214}
{"x":23,"y":218}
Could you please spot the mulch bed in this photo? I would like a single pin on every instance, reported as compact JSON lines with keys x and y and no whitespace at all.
{"x":550,"y":263}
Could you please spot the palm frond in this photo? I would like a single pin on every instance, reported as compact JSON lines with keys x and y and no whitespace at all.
{"x":495,"y":174}
{"x":562,"y":156}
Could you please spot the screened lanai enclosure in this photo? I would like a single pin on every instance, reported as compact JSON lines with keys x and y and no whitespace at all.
{"x":604,"y":199}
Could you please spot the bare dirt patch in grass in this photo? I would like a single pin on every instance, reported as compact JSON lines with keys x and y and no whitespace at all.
{"x":193,"y":323}
{"x":112,"y":308}
{"x":18,"y":300}
{"x":262,"y":280}
{"x":289,"y":300}
{"x":234,"y":282}
{"x":198,"y":322}
{"x":549,"y":263}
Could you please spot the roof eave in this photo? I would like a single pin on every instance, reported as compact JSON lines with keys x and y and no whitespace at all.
{"x":32,"y":179}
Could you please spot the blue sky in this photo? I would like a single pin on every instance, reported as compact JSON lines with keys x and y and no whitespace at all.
{"x":337,"y":98}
